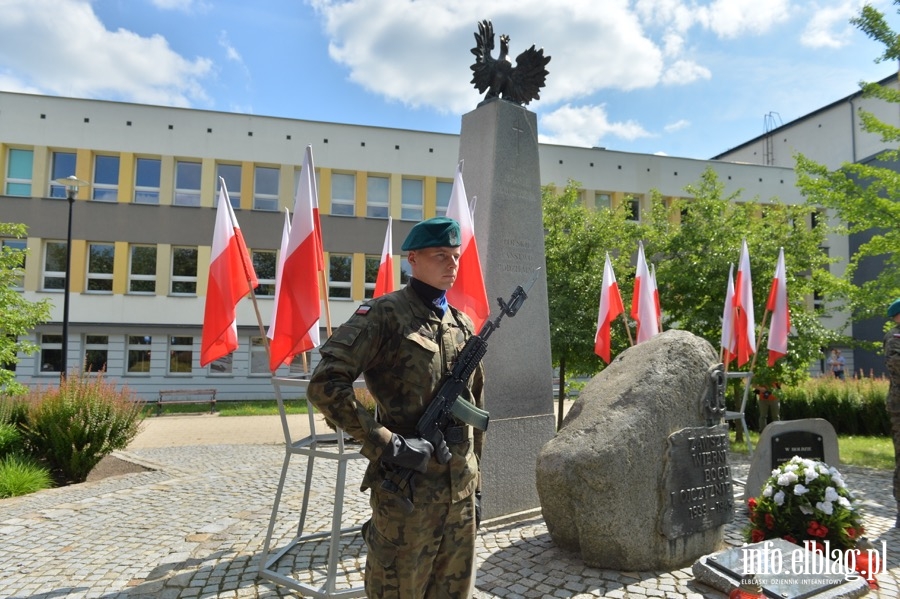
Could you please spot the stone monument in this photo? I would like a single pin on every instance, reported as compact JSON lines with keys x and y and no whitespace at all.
{"x":638,"y":476}
{"x":499,"y":147}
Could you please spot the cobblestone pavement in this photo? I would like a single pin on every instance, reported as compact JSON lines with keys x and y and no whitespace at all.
{"x":195,"y":527}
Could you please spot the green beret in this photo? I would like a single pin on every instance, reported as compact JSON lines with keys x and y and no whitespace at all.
{"x":438,"y":232}
{"x":894,"y":309}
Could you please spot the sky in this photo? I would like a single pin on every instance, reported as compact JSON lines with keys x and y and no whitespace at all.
{"x":688,"y":78}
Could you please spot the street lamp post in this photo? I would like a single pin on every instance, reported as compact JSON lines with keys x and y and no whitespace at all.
{"x":72,"y":183}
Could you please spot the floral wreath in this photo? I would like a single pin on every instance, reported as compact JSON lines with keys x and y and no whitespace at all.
{"x":805,"y":502}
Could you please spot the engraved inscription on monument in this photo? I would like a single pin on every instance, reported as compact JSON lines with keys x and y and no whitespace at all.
{"x":806,"y":444}
{"x":696,"y":481}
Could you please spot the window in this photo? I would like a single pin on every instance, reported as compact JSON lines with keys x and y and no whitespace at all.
{"x":444,"y":189}
{"x":51,"y":353}
{"x":96,"y":349}
{"x":265,"y":263}
{"x":17,"y":245}
{"x":259,"y":358}
{"x":339,"y":275}
{"x":181,"y":355}
{"x":221,"y":365}
{"x":54,"y":266}
{"x":372,"y":265}
{"x":633,"y":206}
{"x":100,"y":267}
{"x":18,"y":172}
{"x":62,"y":166}
{"x":142,"y":269}
{"x":138,"y":352}
{"x":187,"y":183}
{"x":232,"y":175}
{"x":343,"y":194}
{"x":265,"y":188}
{"x":378,"y":196}
{"x":184,"y":271}
{"x":106,"y":179}
{"x":405,"y":272}
{"x":146,"y":181}
{"x":602,"y":201}
{"x":412,"y":199}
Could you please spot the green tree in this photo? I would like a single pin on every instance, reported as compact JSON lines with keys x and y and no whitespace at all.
{"x":864,"y":196}
{"x":18,"y":316}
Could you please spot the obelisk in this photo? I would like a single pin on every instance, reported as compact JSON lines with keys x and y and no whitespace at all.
{"x":499,"y":147}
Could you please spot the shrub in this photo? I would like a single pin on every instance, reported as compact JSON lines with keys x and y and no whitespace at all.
{"x":10,"y":440}
{"x":77,"y":424}
{"x":20,"y":475}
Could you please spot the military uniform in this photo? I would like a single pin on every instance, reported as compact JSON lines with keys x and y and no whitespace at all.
{"x":892,"y":362}
{"x":403,"y":347}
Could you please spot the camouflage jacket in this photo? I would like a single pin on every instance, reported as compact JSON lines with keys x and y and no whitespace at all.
{"x":402,"y":349}
{"x":892,"y":357}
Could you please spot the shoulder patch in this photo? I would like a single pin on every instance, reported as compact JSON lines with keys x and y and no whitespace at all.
{"x":363,"y":309}
{"x":896,"y":335}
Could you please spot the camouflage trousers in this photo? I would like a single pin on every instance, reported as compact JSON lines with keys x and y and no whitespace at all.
{"x":893,"y":407}
{"x":428,"y":554}
{"x":768,"y":412}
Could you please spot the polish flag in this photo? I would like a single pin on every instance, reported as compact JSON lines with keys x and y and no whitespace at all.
{"x":384,"y":282}
{"x":279,"y":269}
{"x":229,"y":281}
{"x":299,"y":307}
{"x":468,"y":292}
{"x":643,"y":306}
{"x":656,"y":296}
{"x":610,"y":308}
{"x":728,"y":346}
{"x":781,"y":316}
{"x":744,"y":320}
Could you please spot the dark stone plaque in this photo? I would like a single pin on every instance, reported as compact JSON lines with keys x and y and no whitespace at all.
{"x":805,"y":444}
{"x":784,"y":570}
{"x":696,"y":482}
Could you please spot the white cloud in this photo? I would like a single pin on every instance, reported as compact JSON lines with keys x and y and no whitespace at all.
{"x":37,"y":52}
{"x":829,"y":26}
{"x":182,"y":5}
{"x":683,"y":72}
{"x":585,"y":126}
{"x":677,"y":126}
{"x":732,"y":18}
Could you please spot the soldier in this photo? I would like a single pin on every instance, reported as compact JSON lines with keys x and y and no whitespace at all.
{"x":892,"y":362}
{"x":403,"y":343}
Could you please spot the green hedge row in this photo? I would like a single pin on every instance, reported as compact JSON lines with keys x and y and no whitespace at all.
{"x":853,"y":407}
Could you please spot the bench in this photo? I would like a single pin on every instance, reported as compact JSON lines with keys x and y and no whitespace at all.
{"x":186,"y":396}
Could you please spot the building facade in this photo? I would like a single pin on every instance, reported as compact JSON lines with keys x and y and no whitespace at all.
{"x":142,"y":227}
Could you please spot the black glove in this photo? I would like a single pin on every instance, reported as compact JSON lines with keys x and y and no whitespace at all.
{"x":412,"y":453}
{"x":477,"y":509}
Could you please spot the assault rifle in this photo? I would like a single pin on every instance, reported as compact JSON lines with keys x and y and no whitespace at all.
{"x":448,"y":403}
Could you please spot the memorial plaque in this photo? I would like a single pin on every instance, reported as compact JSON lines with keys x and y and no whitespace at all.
{"x":805,"y":444}
{"x":784,"y":570}
{"x":697,"y":481}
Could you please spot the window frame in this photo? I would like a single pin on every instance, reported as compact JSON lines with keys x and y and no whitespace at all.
{"x":11,"y":180}
{"x":54,"y":274}
{"x":60,"y":171}
{"x":187,"y":196}
{"x":147,"y":194}
{"x":231,"y":173}
{"x":107,"y":190}
{"x":262,"y":199}
{"x":259,"y":356}
{"x":412,"y":210}
{"x":17,"y":245}
{"x":440,"y":204}
{"x":93,"y":343}
{"x":266,"y":287}
{"x":179,"y":348}
{"x":134,"y":277}
{"x":347,"y":204}
{"x":334,"y":285}
{"x":378,"y":196}
{"x":369,"y":285}
{"x":91,"y":276}
{"x":138,"y":347}
{"x":184,"y":279}
{"x":50,"y":345}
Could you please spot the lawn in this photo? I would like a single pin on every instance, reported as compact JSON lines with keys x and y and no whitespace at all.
{"x":872,"y":452}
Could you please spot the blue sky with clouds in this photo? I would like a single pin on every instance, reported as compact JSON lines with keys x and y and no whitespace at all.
{"x":688,"y":78}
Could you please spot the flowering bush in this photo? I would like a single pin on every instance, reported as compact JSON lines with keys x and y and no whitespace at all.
{"x":805,"y":500}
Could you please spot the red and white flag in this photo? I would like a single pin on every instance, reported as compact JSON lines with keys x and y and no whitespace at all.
{"x":744,"y":320}
{"x":656,"y":296}
{"x":384,"y":282}
{"x":229,"y":281}
{"x":643,"y":306}
{"x":468,"y":292}
{"x":279,"y":269}
{"x":610,"y":308}
{"x":780,"y":324}
{"x":729,"y":348}
{"x":299,"y":307}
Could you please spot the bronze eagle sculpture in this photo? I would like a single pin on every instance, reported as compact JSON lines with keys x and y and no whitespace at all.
{"x":519,"y":84}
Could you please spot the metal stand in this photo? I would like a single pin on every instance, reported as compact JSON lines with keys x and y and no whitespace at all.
{"x":310,"y":447}
{"x":739,"y":415}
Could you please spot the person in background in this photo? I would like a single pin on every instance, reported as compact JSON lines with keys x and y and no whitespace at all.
{"x":836,"y":364}
{"x":768,"y":403}
{"x":892,"y":363}
{"x":403,"y":343}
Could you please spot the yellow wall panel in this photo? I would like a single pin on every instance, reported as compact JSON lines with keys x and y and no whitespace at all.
{"x":248,"y":175}
{"x":358,"y":277}
{"x":286,"y":187}
{"x":204,"y":254}
{"x":126,"y":177}
{"x":163,"y":260}
{"x":84,"y":170}
{"x":40,"y":172}
{"x":79,"y":265}
{"x":166,"y":180}
{"x":429,"y":208}
{"x":324,"y":191}
{"x":33,"y":264}
{"x":361,"y":186}
{"x":209,"y":183}
{"x":120,"y":268}
{"x":395,"y":187}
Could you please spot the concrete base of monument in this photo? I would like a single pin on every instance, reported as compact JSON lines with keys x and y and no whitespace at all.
{"x":784,"y":570}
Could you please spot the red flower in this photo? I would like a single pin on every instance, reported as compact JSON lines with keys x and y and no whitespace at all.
{"x":819,"y":548}
{"x":851,"y":532}
{"x":817,"y":530}
{"x":756,"y":535}
{"x":751,"y":504}
{"x":770,"y":521}
{"x":790,"y":539}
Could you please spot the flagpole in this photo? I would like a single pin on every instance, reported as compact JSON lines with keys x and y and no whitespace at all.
{"x":627,"y":330}
{"x":759,"y":337}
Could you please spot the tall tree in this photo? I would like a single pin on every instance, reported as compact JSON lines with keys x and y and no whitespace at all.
{"x":18,"y":316}
{"x":864,"y":196}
